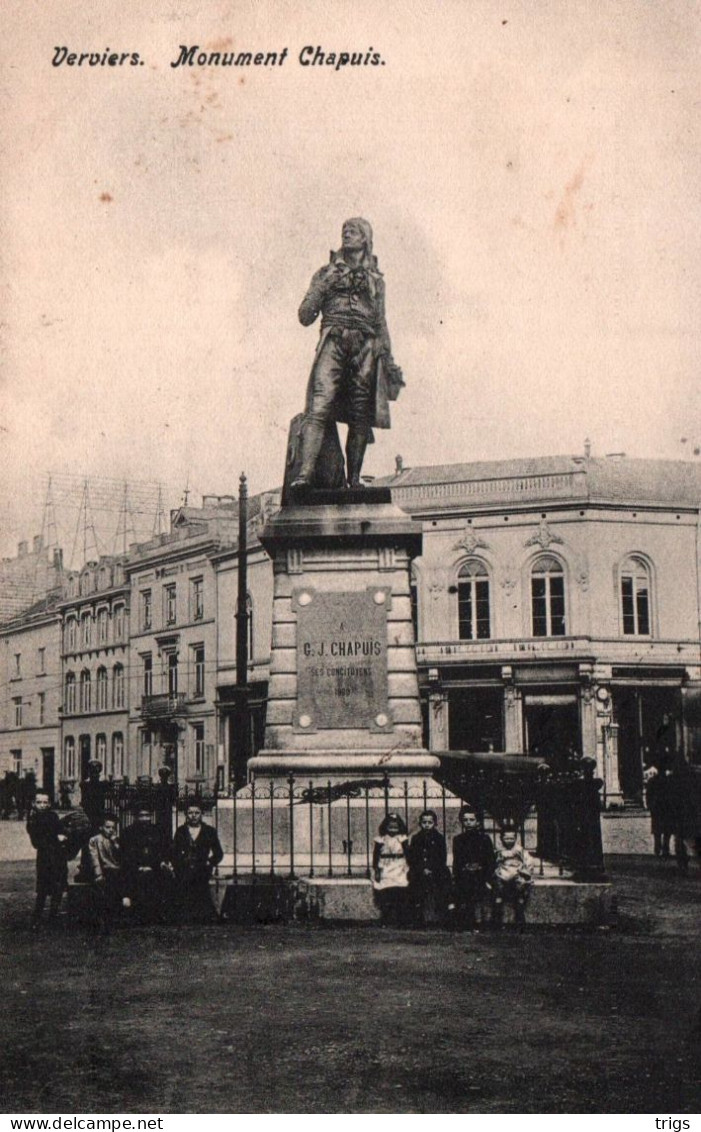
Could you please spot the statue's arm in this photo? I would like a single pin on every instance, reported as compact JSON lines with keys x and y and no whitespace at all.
{"x":313,"y":300}
{"x":384,"y":344}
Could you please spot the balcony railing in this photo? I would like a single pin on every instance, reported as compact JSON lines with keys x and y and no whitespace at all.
{"x":163,"y":706}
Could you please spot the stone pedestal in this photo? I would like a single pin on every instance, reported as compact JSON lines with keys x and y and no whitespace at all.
{"x":343,"y":696}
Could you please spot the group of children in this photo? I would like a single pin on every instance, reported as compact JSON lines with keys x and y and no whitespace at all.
{"x":413,"y":883}
{"x":138,"y":873}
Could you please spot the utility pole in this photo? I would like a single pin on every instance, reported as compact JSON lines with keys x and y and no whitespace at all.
{"x":242,"y":744}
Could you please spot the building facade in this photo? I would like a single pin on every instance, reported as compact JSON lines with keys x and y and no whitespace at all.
{"x":558,"y":609}
{"x":173,"y":645}
{"x":31,"y":678}
{"x":95,"y":670}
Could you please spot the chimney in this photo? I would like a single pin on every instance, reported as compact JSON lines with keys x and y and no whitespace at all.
{"x":38,"y":543}
{"x":587,"y":448}
{"x":58,"y":559}
{"x":22,"y":550}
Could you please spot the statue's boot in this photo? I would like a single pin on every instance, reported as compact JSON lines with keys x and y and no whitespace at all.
{"x":356,"y":444}
{"x":312,"y":437}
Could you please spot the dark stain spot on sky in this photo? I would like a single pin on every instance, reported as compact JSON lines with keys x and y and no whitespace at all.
{"x":106,"y":197}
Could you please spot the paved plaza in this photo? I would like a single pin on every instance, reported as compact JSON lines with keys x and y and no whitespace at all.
{"x":304,"y":1019}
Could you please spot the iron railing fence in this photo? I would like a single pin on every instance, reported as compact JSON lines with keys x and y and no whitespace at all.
{"x":303,"y":827}
{"x":300,"y":827}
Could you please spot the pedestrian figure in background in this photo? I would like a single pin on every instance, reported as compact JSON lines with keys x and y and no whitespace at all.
{"x":473,"y":865}
{"x":656,"y":777}
{"x":513,"y":878}
{"x":144,"y":854}
{"x":429,"y":878}
{"x":47,"y":837}
{"x":390,"y":869}
{"x":92,"y":794}
{"x":195,"y":854}
{"x":104,"y":858}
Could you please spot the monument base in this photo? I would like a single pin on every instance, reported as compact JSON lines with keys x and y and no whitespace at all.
{"x":553,"y":901}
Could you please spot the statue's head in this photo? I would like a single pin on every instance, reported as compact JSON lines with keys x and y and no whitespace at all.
{"x":357,"y":233}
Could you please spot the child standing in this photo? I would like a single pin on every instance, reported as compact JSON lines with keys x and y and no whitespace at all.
{"x":390,"y":869}
{"x":513,"y":877}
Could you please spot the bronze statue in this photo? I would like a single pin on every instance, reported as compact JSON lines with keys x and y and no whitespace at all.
{"x":353,"y":377}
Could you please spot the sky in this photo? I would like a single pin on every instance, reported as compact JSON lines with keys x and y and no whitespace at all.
{"x":532,"y":172}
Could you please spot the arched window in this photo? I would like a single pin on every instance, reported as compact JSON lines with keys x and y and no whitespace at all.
{"x":101,"y":689}
{"x":85,"y":697}
{"x":548,"y":598}
{"x":473,"y":601}
{"x":86,"y":630}
{"x":117,"y":764}
{"x":71,"y":634}
{"x":70,"y":693}
{"x":635,"y":598}
{"x":69,"y":757}
{"x":101,"y":749}
{"x":118,"y":686}
{"x":102,"y":626}
{"x":118,"y":622}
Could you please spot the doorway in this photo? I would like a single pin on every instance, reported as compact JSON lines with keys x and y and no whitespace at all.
{"x":551,"y":725}
{"x":475,"y":719}
{"x":48,"y":771}
{"x":648,"y":724}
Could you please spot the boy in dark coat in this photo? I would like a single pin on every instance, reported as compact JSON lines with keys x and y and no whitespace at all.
{"x":47,"y":837}
{"x":473,"y":866}
{"x":429,"y":879}
{"x":144,"y":851}
{"x":195,"y":854}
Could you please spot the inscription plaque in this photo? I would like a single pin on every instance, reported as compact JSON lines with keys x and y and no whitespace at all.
{"x":342,"y":659}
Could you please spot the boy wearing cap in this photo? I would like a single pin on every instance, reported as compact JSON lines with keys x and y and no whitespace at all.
{"x":47,"y":837}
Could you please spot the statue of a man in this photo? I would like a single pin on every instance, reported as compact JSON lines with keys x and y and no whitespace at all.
{"x":353,"y":376}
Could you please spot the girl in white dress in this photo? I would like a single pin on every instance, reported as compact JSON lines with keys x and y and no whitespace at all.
{"x":390,"y":869}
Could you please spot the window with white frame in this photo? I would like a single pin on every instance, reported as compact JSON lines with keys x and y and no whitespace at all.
{"x":118,"y":622}
{"x":198,"y":671}
{"x":102,"y":627}
{"x":85,"y":692}
{"x":635,"y":598}
{"x":147,"y":674}
{"x":41,"y":708}
{"x":101,"y":749}
{"x":69,"y":705}
{"x":69,"y":757}
{"x":197,"y":599}
{"x":146,"y":749}
{"x":118,"y":690}
{"x":548,"y":597}
{"x":16,"y":757}
{"x":170,"y":611}
{"x":17,"y":669}
{"x":171,"y":662}
{"x":71,"y":634}
{"x":117,"y":763}
{"x":17,"y":712}
{"x":101,"y":689}
{"x":199,"y":748}
{"x":146,"y":609}
{"x":41,"y":661}
{"x":473,"y":601}
{"x":86,"y":630}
